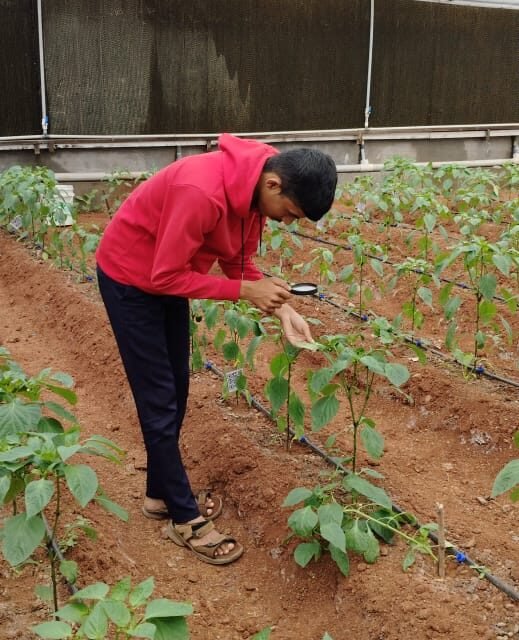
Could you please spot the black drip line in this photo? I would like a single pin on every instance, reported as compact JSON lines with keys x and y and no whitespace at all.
{"x":346,"y":247}
{"x":460,"y":556}
{"x":479,"y":369}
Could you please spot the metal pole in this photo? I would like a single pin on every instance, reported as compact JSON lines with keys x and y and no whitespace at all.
{"x":367,"y":110}
{"x":44,"y":116}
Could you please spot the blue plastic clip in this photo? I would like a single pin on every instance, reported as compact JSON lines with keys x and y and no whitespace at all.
{"x":480,"y":369}
{"x":364,"y":317}
{"x":460,"y":557}
{"x":322,"y":296}
{"x":208,"y":365}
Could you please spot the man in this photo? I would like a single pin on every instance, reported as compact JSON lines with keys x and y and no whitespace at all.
{"x":156,"y":253}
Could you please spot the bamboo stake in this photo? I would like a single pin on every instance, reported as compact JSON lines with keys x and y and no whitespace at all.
{"x":441,"y":540}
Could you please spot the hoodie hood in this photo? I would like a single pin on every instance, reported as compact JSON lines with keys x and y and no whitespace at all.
{"x":243,"y":162}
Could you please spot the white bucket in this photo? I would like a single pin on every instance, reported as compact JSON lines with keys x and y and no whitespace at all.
{"x":62,"y":214}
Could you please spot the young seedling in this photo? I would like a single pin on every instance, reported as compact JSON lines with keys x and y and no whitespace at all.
{"x":419,"y":272}
{"x":364,"y":252}
{"x":120,"y":612}
{"x":34,"y":463}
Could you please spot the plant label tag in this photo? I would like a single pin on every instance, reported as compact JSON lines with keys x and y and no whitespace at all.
{"x":231,"y":379}
{"x":15,"y":224}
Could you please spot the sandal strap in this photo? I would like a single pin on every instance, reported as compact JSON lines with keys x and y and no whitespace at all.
{"x":190,"y":531}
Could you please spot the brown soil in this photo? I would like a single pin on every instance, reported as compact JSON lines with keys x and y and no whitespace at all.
{"x":447,"y":446}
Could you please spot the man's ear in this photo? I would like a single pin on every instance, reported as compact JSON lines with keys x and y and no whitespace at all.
{"x":273,"y":182}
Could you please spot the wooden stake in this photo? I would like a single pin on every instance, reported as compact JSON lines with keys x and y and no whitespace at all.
{"x":441,"y":540}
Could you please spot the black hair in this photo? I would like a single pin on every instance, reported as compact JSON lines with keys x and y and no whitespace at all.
{"x":308,"y":177}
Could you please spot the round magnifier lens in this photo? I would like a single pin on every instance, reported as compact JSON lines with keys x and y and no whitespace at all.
{"x":304,"y":289}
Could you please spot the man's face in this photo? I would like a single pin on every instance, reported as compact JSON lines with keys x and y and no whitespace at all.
{"x":273,"y":204}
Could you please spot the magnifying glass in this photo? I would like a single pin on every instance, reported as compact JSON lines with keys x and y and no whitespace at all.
{"x":303,"y":289}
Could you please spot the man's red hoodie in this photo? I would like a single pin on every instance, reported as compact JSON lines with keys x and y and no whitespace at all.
{"x":170,"y":231}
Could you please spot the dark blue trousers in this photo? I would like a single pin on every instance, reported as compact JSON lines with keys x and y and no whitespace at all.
{"x":152,"y":334}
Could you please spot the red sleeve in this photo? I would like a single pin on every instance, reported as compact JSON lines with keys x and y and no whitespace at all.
{"x":233,"y":268}
{"x":187,"y":216}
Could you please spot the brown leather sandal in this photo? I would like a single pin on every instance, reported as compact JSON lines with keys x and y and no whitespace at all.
{"x":183,"y":534}
{"x":201,"y":498}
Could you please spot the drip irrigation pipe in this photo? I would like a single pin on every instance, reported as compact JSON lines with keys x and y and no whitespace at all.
{"x":72,"y":589}
{"x":460,"y":556}
{"x":346,"y":247}
{"x":479,"y":370}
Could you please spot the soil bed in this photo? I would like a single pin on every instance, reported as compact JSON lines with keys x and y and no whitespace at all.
{"x":446,"y":446}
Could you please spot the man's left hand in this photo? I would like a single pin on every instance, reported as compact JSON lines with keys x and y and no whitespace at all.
{"x":295,"y":328}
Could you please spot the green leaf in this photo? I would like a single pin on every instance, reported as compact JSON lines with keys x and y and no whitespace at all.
{"x":21,"y":536}
{"x":305,"y":551}
{"x":82,"y":482}
{"x":66,"y":394}
{"x":487,"y":311}
{"x":67,"y":452}
{"x":5,"y":483}
{"x":143,"y":630}
{"x":279,"y":365}
{"x":112,"y":507}
{"x":296,"y":495}
{"x":487,"y":285}
{"x":451,"y":307}
{"x":264,"y":634}
{"x":503,"y":263}
{"x":95,"y":626}
{"x":121,"y":590}
{"x":356,"y":538}
{"x":64,"y":379}
{"x":373,"y":442}
{"x":96,"y":591}
{"x":296,"y":410}
{"x":409,"y":559}
{"x":373,"y":364}
{"x":323,"y":411}
{"x":303,"y":521}
{"x":49,"y":425}
{"x":396,"y":373}
{"x":372,"y":550}
{"x":370,"y":491}
{"x":117,"y":612}
{"x":333,"y":533}
{"x":17,"y":416}
{"x":276,"y":391}
{"x":321,"y":378}
{"x":330,"y":513}
{"x":507,"y":478}
{"x":44,"y":592}
{"x":53,"y":630}
{"x":219,"y":339}
{"x":341,"y":559}
{"x":231,"y":351}
{"x":377,"y":267}
{"x":450,"y":336}
{"x":69,"y":570}
{"x":426,"y":295}
{"x":142,"y":592}
{"x":164,"y":608}
{"x":170,"y":629}
{"x":16,"y":454}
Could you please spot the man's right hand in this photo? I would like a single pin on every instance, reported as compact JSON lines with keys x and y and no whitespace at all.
{"x":267,"y":294}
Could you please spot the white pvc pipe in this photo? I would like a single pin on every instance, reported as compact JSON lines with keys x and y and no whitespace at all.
{"x":367,"y":109}
{"x":44,"y":116}
{"x":95,"y":176}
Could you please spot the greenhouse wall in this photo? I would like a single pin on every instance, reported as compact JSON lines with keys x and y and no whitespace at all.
{"x":153,"y":67}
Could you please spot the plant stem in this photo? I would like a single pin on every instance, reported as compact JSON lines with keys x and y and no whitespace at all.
{"x":398,"y":532}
